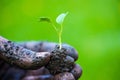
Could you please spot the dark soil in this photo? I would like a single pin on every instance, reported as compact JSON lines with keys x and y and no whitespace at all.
{"x":60,"y":61}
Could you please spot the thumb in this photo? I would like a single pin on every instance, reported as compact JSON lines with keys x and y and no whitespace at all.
{"x":22,"y":57}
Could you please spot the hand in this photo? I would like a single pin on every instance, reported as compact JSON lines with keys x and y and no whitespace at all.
{"x":42,"y":49}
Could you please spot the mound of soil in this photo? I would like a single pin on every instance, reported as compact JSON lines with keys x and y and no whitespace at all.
{"x":60,"y":61}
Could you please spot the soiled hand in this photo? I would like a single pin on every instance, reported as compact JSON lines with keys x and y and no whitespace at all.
{"x":28,"y":60}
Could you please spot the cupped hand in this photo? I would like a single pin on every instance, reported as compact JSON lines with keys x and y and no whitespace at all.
{"x":74,"y":74}
{"x":31,"y":57}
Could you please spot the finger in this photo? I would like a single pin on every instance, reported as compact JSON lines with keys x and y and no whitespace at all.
{"x":64,"y":76}
{"x":76,"y":71}
{"x":32,"y":45}
{"x":12,"y":74}
{"x":22,"y":57}
{"x":49,"y":46}
{"x":37,"y":72}
{"x":40,"y":77}
{"x":38,"y":46}
{"x":71,"y":51}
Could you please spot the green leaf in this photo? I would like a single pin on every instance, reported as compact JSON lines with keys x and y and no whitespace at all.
{"x":61,"y":17}
{"x":45,"y":19}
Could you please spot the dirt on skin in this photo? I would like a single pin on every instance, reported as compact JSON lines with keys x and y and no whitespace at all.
{"x":60,"y":61}
{"x":19,"y":56}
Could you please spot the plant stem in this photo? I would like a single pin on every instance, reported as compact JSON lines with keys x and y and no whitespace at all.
{"x":54,"y":27}
{"x":60,"y":36}
{"x":60,"y":41}
{"x":59,"y":32}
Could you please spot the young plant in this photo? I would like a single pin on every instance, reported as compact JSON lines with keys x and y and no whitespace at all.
{"x":59,"y":20}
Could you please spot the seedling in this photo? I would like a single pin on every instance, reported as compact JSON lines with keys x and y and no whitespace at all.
{"x":59,"y":20}
{"x":59,"y":60}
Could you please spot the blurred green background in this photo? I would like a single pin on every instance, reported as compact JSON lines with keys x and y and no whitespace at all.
{"x":92,"y":27}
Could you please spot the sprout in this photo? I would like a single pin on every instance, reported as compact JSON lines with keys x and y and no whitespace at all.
{"x":59,"y":20}
{"x":61,"y":17}
{"x":45,"y":19}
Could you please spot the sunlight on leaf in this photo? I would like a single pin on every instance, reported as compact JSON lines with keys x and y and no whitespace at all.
{"x":61,"y":17}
